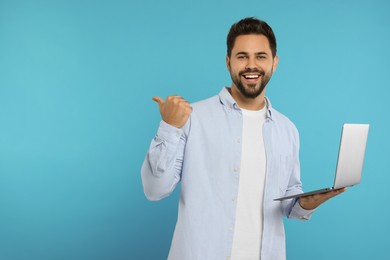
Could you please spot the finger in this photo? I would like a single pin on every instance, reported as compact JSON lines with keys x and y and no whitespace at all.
{"x":186,"y":105}
{"x":175,"y":99}
{"x":339,"y":191}
{"x":159,"y":101}
{"x":334,"y":193}
{"x":342,"y":189}
{"x":183,"y":102}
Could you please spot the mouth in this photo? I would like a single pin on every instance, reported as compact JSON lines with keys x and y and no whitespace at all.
{"x":251,"y":78}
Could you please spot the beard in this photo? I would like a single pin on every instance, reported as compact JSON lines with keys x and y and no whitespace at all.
{"x":251,"y":90}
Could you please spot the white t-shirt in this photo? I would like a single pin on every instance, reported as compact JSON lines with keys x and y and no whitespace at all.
{"x":248,"y":228}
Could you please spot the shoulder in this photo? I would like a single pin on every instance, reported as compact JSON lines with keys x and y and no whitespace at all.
{"x":278,"y":116}
{"x":207,"y":107}
{"x":206,"y":103}
{"x":285,"y":133}
{"x":203,"y":112}
{"x":284,"y":123}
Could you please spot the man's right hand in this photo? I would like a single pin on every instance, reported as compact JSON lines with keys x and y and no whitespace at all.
{"x":175,"y":110}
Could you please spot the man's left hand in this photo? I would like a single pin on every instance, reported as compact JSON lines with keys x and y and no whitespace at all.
{"x":313,"y":201}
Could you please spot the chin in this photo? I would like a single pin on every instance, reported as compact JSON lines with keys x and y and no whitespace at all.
{"x":252,"y":93}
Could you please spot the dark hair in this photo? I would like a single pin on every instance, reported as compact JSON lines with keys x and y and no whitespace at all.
{"x":250,"y":25}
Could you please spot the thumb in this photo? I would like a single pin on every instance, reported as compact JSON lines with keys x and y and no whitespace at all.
{"x":159,"y":101}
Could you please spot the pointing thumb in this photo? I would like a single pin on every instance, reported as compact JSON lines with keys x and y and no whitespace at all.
{"x":159,"y":101}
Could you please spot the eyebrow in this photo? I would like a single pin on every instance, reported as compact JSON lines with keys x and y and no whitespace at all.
{"x":246,"y":53}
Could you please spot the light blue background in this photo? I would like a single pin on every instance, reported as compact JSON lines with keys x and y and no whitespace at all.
{"x":76,"y":117}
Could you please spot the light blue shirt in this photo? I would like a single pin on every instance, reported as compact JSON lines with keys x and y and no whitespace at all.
{"x":205,"y":155}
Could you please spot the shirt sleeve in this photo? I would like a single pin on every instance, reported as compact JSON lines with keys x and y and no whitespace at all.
{"x":300,"y":213}
{"x":292,"y":208}
{"x":161,"y":169}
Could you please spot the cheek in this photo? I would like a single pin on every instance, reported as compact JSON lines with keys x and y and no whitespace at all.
{"x":236,"y":68}
{"x":234,"y":73}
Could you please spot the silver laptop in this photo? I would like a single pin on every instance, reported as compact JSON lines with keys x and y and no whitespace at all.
{"x":350,"y":160}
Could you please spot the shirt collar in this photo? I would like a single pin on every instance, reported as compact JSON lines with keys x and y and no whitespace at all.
{"x":227,"y":100}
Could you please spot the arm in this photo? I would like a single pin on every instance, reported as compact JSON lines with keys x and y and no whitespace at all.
{"x":161,"y":170}
{"x":303,"y":207}
{"x":292,"y":208}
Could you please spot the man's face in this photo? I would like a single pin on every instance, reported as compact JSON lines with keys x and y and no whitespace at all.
{"x":251,"y":64}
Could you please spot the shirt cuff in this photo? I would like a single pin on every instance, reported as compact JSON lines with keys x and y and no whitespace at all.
{"x":168,"y":132}
{"x":300,"y":212}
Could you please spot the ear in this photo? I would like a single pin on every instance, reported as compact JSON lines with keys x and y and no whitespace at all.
{"x":276,"y":61}
{"x":228,"y":62}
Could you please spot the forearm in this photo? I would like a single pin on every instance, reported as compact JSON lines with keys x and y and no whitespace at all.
{"x":298,"y":212}
{"x":162,"y":166}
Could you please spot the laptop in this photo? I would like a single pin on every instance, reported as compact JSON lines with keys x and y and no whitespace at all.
{"x":350,"y":159}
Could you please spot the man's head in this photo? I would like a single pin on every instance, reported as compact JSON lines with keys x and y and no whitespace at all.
{"x":247,"y":26}
{"x":251,"y":56}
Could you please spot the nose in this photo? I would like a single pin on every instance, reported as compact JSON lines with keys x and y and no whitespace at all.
{"x":251,"y":64}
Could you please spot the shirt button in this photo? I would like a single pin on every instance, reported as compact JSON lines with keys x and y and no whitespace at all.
{"x":178,"y":134}
{"x":235,"y":169}
{"x":227,"y":258}
{"x":233,"y":199}
{"x":238,"y":141}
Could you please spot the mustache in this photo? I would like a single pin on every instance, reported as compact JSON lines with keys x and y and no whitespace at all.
{"x":261,"y":72}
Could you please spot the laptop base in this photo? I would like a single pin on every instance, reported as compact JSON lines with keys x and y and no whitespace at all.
{"x":306,"y":194}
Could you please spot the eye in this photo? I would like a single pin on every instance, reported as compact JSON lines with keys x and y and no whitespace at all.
{"x":241,"y":57}
{"x":261,"y":57}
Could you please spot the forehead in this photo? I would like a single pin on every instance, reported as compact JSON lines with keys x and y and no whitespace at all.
{"x":251,"y":43}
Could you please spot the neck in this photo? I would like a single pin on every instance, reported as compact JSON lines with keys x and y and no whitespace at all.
{"x":248,"y":103}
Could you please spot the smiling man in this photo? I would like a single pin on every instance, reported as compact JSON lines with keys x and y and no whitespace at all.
{"x":233,"y":154}
{"x":251,"y":63}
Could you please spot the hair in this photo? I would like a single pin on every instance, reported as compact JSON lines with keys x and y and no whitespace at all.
{"x":250,"y":25}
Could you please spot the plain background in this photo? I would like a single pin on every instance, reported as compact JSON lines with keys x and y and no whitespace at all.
{"x":76,"y":117}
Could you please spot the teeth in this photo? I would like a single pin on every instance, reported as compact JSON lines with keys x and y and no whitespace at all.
{"x":251,"y":76}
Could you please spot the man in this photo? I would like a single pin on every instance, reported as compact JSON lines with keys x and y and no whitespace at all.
{"x":234,"y":154}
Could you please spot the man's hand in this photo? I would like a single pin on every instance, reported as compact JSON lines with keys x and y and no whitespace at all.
{"x":313,"y":201}
{"x":174,"y":111}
